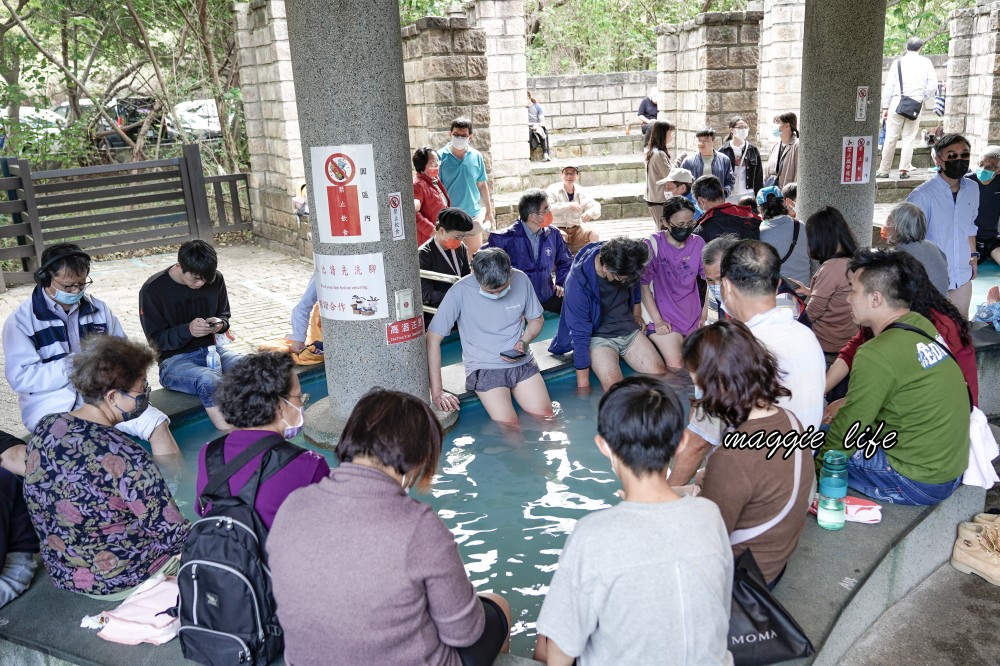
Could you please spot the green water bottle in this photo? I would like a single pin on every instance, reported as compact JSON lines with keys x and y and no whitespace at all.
{"x":830,"y":512}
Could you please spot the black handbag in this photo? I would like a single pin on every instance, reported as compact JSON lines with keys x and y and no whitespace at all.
{"x":907,"y":107}
{"x":761,"y":631}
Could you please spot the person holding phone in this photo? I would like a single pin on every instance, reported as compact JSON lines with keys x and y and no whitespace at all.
{"x":491,"y":307}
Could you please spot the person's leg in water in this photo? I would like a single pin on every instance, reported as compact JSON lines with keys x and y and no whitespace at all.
{"x":604,"y":361}
{"x":533,"y":397}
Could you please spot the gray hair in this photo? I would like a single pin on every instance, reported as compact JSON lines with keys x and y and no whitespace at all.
{"x":991,"y":153}
{"x":909,"y":224}
{"x":914,"y":44}
{"x":715,"y":248}
{"x":491,"y":266}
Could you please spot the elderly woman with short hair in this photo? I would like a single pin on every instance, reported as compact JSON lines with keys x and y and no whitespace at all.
{"x":428,"y":192}
{"x":362,"y":572}
{"x":103,"y":513}
{"x":261,"y":396}
{"x":906,"y":229}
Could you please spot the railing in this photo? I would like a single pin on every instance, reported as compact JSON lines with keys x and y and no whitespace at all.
{"x":227,"y":193}
{"x":437,"y":277}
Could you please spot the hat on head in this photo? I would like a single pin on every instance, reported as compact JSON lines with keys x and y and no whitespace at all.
{"x":454,"y":218}
{"x":571,"y":165}
{"x":768,"y":192}
{"x":677,"y":176}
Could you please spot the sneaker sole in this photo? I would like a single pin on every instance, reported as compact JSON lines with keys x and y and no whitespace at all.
{"x":964,"y":568}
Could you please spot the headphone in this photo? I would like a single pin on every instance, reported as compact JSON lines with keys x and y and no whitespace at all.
{"x":43,"y":278}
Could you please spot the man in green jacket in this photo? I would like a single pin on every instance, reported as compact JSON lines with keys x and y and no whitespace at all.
{"x":905,"y":421}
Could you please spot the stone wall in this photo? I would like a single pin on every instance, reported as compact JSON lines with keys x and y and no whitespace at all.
{"x":973,"y":103}
{"x":502,"y":21}
{"x":781,"y":34}
{"x":276,"y":170}
{"x":591,"y":101}
{"x":444,"y":69}
{"x":708,"y":72}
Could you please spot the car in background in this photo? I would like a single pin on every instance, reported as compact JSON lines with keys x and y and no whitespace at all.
{"x":38,"y":124}
{"x":199,"y":118}
{"x":126,"y":112}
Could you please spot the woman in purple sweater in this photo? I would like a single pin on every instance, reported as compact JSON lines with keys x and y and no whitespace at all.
{"x":261,"y":396}
{"x":362,"y":573}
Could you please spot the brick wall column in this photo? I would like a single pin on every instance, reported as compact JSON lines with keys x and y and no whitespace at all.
{"x":961,"y":26}
{"x":272,"y":127}
{"x":973,"y":102}
{"x":781,"y":34}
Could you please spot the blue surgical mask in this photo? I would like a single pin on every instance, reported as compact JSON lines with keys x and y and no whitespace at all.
{"x":699,"y":393}
{"x":984,"y":175}
{"x":716,"y":291}
{"x":776,"y":131}
{"x":494,"y":297}
{"x":65,"y":298}
{"x":293,"y":430}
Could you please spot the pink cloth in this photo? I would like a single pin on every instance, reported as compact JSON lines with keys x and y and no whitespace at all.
{"x":308,"y":468}
{"x":140,"y":618}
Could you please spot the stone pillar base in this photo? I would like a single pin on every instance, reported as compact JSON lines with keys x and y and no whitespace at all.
{"x":323,"y":428}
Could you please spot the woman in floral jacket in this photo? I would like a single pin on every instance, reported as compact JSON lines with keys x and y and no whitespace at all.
{"x":104,"y":516}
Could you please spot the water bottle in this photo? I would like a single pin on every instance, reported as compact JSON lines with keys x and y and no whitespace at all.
{"x":212,"y":360}
{"x":832,"y":491}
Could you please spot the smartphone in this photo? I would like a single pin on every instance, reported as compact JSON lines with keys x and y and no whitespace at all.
{"x":512,"y":354}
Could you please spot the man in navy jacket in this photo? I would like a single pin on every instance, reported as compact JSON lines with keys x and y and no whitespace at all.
{"x":721,"y":167}
{"x":602,"y":321}
{"x":537,"y":249}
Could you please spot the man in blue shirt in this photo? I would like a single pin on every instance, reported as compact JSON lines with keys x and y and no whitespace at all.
{"x":463,"y":174}
{"x":951,"y":203}
{"x":536,"y":249}
{"x":708,"y":161}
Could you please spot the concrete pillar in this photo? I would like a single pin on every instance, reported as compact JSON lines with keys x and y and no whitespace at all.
{"x":348,"y":66}
{"x":831,"y":74}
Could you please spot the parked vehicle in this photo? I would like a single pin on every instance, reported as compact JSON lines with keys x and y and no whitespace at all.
{"x":35,"y":125}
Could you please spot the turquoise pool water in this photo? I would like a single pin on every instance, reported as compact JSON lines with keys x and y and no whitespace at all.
{"x":509,"y":501}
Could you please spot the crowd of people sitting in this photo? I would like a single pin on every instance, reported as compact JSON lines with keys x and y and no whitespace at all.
{"x":875,"y":339}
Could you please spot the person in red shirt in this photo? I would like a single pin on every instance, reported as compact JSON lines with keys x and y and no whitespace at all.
{"x":428,"y":192}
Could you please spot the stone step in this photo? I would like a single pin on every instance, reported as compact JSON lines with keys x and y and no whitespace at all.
{"x":921,"y":156}
{"x":894,"y":190}
{"x":593,"y":144}
{"x":594,"y":170}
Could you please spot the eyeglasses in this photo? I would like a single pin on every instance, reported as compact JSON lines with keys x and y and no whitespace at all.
{"x":73,"y":288}
{"x":303,"y":398}
{"x":957,"y":156}
{"x":145,"y":391}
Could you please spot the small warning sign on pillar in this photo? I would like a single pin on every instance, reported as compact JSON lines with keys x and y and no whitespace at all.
{"x":346,"y":199}
{"x":856,"y":160}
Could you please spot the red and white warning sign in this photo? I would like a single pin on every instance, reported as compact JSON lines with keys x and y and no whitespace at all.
{"x":404,"y":330}
{"x":345,"y":198}
{"x":396,"y":215}
{"x":856,"y":160}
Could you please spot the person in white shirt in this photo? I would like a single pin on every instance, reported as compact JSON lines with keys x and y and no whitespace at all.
{"x":751,"y":270}
{"x":919,"y":82}
{"x":572,"y":208}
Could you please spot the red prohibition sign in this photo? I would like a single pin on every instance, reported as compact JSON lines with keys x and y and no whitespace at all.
{"x":862,"y":93}
{"x":394,"y":202}
{"x":339,"y":169}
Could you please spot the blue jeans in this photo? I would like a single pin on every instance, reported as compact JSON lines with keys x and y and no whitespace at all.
{"x":877,"y":479}
{"x":188,"y":373}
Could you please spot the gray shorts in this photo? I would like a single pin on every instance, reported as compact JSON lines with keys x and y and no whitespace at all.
{"x":487,"y":379}
{"x":620,"y":343}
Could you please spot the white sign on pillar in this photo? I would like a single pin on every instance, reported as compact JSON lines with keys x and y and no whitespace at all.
{"x":856,"y":160}
{"x":346,"y":201}
{"x":861,"y":105}
{"x":352,"y":286}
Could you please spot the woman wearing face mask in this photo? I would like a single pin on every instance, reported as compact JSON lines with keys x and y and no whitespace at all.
{"x":987,"y":234}
{"x":670,"y":285}
{"x":103,"y":513}
{"x":261,"y":396}
{"x":783,"y":164}
{"x":428,"y":191}
{"x":444,"y":253}
{"x":361,"y":569}
{"x":745,"y":159}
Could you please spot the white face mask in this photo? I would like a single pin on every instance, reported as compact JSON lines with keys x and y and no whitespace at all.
{"x":741,"y":133}
{"x":293,"y":430}
{"x":459,"y":142}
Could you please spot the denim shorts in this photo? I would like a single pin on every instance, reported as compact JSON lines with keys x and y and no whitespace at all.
{"x":488,"y":379}
{"x":621,"y":343}
{"x":877,"y":479}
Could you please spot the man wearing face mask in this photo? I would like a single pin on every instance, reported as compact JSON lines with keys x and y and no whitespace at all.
{"x":498,"y":315}
{"x":987,"y":241}
{"x":951,"y":203}
{"x":41,"y":337}
{"x":537,"y":249}
{"x":445,"y":253}
{"x":261,"y":396}
{"x":463,"y":174}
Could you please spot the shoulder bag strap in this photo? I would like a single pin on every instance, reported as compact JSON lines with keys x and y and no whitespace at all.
{"x":913,"y":329}
{"x":740,"y":536}
{"x":218,"y":481}
{"x":795,"y":239}
{"x":899,"y":71}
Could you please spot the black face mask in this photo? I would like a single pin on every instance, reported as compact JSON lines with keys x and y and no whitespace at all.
{"x":141,"y":403}
{"x":680,"y":234}
{"x":956,"y":168}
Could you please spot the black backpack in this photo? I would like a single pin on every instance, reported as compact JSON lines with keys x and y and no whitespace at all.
{"x":226,"y":606}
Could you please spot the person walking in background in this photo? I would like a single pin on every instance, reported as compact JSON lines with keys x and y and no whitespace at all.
{"x":537,"y":134}
{"x":910,"y":81}
{"x":710,"y":161}
{"x":647,"y":114}
{"x":428,"y":191}
{"x":748,"y":170}
{"x":657,"y":166}
{"x":783,"y":163}
{"x":463,"y":173}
